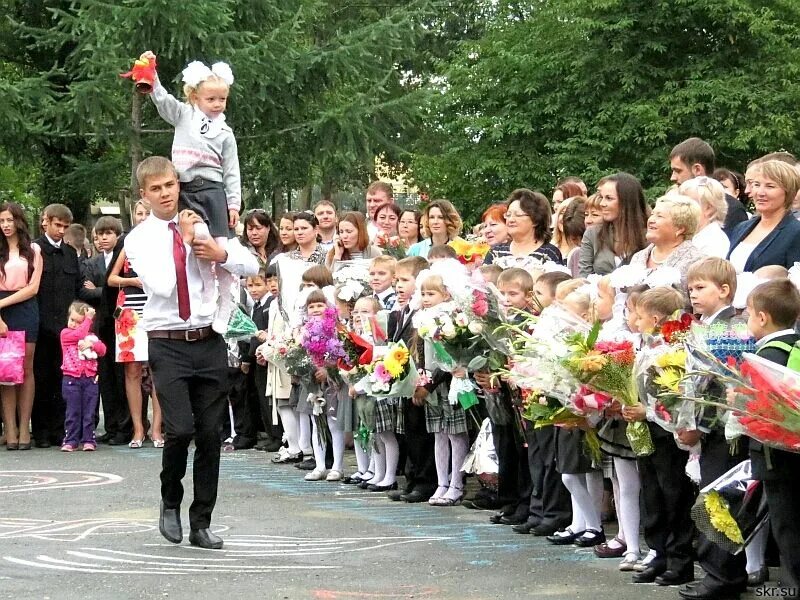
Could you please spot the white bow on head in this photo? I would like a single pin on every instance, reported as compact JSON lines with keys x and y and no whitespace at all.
{"x":197,"y":72}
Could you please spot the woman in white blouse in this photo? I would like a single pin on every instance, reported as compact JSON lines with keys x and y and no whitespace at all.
{"x":710,"y":195}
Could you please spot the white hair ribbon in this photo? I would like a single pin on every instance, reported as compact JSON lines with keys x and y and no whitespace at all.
{"x":197,"y":72}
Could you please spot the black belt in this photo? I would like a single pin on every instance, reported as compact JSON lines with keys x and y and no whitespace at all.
{"x":184,"y":335}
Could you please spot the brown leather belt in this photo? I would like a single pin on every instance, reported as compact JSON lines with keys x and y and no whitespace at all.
{"x":184,"y":335}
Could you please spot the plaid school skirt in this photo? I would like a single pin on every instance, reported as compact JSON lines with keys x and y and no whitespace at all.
{"x":445,"y":418}
{"x":386,"y":414}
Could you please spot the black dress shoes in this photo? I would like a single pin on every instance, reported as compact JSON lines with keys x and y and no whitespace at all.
{"x":564,"y":537}
{"x":169,"y":524}
{"x":754,"y":579}
{"x":675,"y":577}
{"x":415,"y":496}
{"x":395,"y":495}
{"x":514,"y":519}
{"x":42,"y":443}
{"x":119,"y":439}
{"x":205,"y":539}
{"x":382,"y":488}
{"x":543,"y":529}
{"x":525,"y":527}
{"x":649,"y":574}
{"x":703,"y":591}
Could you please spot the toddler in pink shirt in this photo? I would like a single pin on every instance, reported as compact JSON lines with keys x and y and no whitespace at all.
{"x":80,"y":350}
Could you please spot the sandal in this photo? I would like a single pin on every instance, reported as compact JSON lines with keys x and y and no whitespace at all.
{"x":158,"y":443}
{"x":135,"y":443}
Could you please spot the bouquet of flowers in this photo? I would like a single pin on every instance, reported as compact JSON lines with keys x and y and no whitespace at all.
{"x":660,"y":370}
{"x":712,"y":352}
{"x":275,"y":349}
{"x":352,"y":278}
{"x":767,"y":403}
{"x":319,"y":338}
{"x":394,"y":375}
{"x":537,"y":359}
{"x":544,"y":410}
{"x":450,"y":345}
{"x":608,"y":367}
{"x":732,"y":509}
{"x":358,"y":351}
{"x":392,"y":245}
{"x":470,"y":253}
{"x":296,"y":360}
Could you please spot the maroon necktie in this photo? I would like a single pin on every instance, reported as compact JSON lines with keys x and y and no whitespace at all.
{"x":179,"y":254}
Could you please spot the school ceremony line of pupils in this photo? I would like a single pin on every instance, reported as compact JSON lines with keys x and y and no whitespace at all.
{"x":730,"y":238}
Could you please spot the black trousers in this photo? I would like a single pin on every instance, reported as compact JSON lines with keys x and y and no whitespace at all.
{"x":667,"y":497}
{"x":782,"y":488}
{"x":190,"y":378}
{"x":420,"y":465}
{"x":550,"y":501}
{"x":505,"y":446}
{"x":47,"y":418}
{"x":721,"y":567}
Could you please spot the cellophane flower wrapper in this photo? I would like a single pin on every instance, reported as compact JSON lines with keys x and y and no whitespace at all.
{"x":732,"y":509}
{"x":240,"y":326}
{"x":539,"y":350}
{"x":713,"y":353}
{"x":767,"y":403}
{"x":608,"y":367}
{"x":660,"y":371}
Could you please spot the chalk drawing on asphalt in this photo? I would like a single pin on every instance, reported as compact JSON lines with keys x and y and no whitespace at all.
{"x":44,"y":480}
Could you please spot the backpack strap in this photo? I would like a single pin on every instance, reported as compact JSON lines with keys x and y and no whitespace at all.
{"x":778,"y":346}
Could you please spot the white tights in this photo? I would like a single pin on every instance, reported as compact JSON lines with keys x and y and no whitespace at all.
{"x":290,"y":425}
{"x":586,"y":492}
{"x":391,"y":456}
{"x":304,"y":439}
{"x":626,"y":496}
{"x":450,"y":450}
{"x":337,"y":441}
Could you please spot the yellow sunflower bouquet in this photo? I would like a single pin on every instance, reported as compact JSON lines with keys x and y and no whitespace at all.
{"x":394,"y":375}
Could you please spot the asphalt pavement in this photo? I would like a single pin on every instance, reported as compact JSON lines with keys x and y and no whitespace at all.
{"x":85,"y":526}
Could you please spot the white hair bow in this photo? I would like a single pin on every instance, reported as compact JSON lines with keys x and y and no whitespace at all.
{"x":197,"y":72}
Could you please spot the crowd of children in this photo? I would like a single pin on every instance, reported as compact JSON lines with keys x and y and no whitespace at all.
{"x":548,"y":485}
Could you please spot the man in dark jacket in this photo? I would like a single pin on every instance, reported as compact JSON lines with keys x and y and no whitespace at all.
{"x":60,"y":285}
{"x":694,"y":158}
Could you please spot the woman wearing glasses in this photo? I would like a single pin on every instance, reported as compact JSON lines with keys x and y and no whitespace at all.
{"x":441,"y":224}
{"x":622,"y":232}
{"x":528,"y":224}
{"x":709,"y":194}
{"x":260,"y":235}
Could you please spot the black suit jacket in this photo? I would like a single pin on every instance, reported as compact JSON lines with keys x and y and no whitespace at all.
{"x":736,"y":214}
{"x":780,"y":247}
{"x":60,"y":285}
{"x":94,"y":270}
{"x":260,"y":317}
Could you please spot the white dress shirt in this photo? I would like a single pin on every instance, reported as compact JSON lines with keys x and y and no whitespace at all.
{"x":149,"y":249}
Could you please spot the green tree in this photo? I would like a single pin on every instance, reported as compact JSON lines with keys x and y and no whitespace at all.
{"x":588,"y":87}
{"x":319,"y":91}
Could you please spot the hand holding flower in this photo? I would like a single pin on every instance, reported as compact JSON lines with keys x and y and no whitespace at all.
{"x":635,"y":412}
